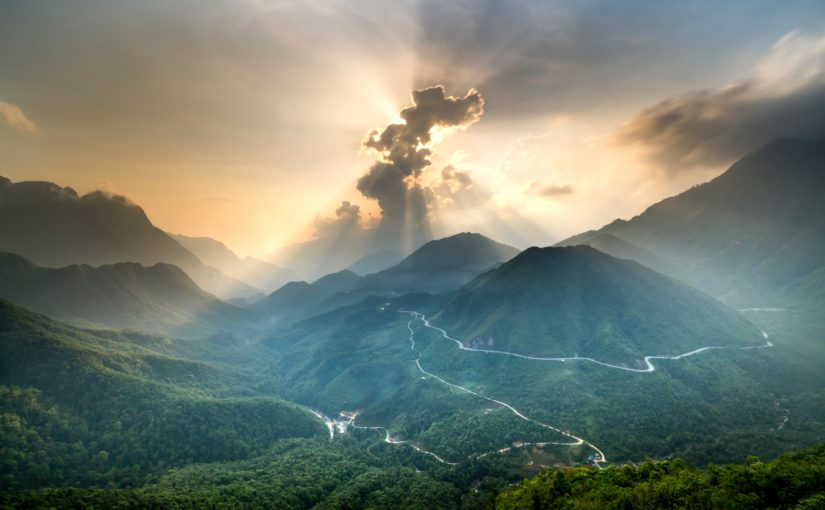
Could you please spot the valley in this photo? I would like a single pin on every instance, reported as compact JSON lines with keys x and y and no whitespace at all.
{"x":167,"y":371}
{"x":598,"y":459}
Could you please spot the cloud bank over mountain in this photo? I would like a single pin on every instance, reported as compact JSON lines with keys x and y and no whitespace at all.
{"x":784,"y":97}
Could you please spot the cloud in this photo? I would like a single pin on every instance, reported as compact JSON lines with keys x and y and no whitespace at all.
{"x":404,"y":151}
{"x":15,"y":117}
{"x":14,"y":194}
{"x":347,"y":218}
{"x":784,"y":97}
{"x":454,"y":177}
{"x":456,"y":188}
{"x":539,"y":188}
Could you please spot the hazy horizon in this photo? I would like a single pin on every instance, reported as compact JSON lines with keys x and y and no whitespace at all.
{"x":246,"y":121}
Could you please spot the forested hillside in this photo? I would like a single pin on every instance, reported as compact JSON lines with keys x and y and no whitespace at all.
{"x":157,"y":299}
{"x":579,"y":301}
{"x":795,"y":480}
{"x":92,"y":408}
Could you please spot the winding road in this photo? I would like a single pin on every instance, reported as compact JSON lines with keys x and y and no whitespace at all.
{"x":648,"y":365}
{"x":576,"y":441}
{"x":598,"y":459}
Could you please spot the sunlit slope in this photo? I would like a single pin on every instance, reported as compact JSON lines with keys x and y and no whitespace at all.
{"x":579,"y":301}
{"x":752,"y":235}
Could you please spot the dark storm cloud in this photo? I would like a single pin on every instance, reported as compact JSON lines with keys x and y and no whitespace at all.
{"x":714,"y":127}
{"x":404,"y":151}
{"x":579,"y":56}
{"x":784,"y":97}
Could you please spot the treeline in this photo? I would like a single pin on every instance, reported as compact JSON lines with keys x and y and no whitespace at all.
{"x":795,"y":480}
{"x":86,"y":409}
{"x":47,"y":445}
{"x":298,"y":474}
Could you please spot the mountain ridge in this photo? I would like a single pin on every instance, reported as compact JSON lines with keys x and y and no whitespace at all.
{"x":745,"y":236}
{"x":53,"y":226}
{"x":261,"y":275}
{"x":160,"y":298}
{"x":578,"y":301}
{"x":439,"y":265}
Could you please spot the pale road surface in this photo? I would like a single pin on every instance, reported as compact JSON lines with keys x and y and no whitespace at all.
{"x":648,"y":365}
{"x":576,"y":441}
{"x":331,"y":425}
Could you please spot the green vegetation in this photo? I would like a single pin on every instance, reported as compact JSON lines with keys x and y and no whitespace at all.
{"x":91,"y":408}
{"x":298,"y":474}
{"x":576,"y":300}
{"x":159,"y":299}
{"x":438,"y":266}
{"x":442,"y":265}
{"x":794,"y":480}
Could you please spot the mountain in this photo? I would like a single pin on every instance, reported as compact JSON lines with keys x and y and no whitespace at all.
{"x":160,"y":298}
{"x":263,"y":275}
{"x":579,"y":301}
{"x":90,"y":408}
{"x":443,"y":264}
{"x":751,"y":236}
{"x":400,"y":372}
{"x":210,"y":251}
{"x":301,"y":299}
{"x":339,"y":282}
{"x":621,"y":249}
{"x":54,"y":227}
{"x":317,"y":257}
{"x":256,"y":273}
{"x":376,"y":261}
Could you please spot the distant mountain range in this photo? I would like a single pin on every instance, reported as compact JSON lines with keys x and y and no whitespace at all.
{"x":255,"y":272}
{"x":754,"y":235}
{"x":53,"y":226}
{"x":159,"y":299}
{"x":443,"y":264}
{"x":438,"y":266}
{"x":317,"y":257}
{"x":580,"y":301}
{"x":376,"y":261}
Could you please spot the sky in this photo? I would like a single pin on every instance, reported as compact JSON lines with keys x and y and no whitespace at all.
{"x":262,"y":123}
